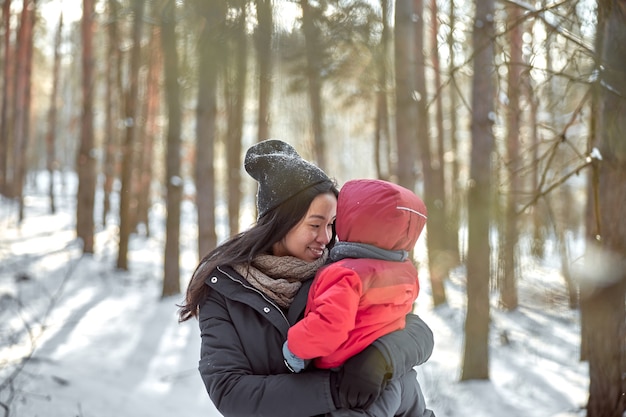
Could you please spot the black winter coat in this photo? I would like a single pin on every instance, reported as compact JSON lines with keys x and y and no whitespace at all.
{"x":241,"y":361}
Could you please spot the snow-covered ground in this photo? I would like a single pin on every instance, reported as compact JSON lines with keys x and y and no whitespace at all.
{"x":104,"y":344}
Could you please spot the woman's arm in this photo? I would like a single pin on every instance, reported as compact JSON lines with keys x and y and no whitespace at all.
{"x":404,"y":349}
{"x":233,"y":386}
{"x":366,"y":373}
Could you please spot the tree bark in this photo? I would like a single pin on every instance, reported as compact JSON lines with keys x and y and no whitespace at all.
{"x":86,"y":163}
{"x":24,"y":81}
{"x":142,"y":171}
{"x":113,"y":109}
{"x":313,"y":60}
{"x":508,"y":278}
{"x":235,"y":98}
{"x":434,"y":238}
{"x":149,"y":128}
{"x":382,"y":134}
{"x":171,"y":279}
{"x":128,"y":147}
{"x":455,"y":196}
{"x":52,"y":115}
{"x":17,"y":131}
{"x":7,"y":97}
{"x":263,"y":38}
{"x":476,"y":352}
{"x":439,"y":261}
{"x":206,"y":112}
{"x":405,"y":101}
{"x":603,"y":294}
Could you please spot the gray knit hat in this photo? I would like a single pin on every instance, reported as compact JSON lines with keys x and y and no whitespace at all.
{"x":280,"y":172}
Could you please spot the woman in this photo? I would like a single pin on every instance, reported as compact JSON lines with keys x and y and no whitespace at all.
{"x":248,"y":291}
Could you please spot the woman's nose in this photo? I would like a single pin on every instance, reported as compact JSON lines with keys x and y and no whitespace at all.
{"x":325,"y":235}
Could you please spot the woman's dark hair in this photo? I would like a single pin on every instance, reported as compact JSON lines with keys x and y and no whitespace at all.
{"x":245,"y":246}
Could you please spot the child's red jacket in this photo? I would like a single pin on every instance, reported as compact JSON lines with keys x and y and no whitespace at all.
{"x":354,"y":301}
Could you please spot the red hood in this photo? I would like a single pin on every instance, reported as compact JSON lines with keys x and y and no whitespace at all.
{"x":379,"y":213}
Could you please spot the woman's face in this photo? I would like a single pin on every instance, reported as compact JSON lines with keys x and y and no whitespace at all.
{"x":309,"y":237}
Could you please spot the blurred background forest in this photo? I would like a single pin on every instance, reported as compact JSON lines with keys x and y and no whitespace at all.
{"x":507,"y":116}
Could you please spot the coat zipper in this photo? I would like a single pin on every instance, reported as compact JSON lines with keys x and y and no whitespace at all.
{"x":257,"y":291}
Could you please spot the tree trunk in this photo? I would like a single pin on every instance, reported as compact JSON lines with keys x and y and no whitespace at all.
{"x":435,"y":214}
{"x":112,"y":107}
{"x":508,"y":281}
{"x":17,"y":131}
{"x":538,"y":224}
{"x":476,"y":352}
{"x":313,"y":75}
{"x":591,"y":218}
{"x":603,"y":294}
{"x":22,"y":131}
{"x":149,"y":129}
{"x":7,"y":97}
{"x":382,"y":134}
{"x":455,"y":196}
{"x":171,"y":279}
{"x":128,"y":154}
{"x":439,"y":262}
{"x":86,"y":163}
{"x":264,"y":30}
{"x":235,"y":97}
{"x":52,"y":115}
{"x":405,"y":102}
{"x":206,"y":113}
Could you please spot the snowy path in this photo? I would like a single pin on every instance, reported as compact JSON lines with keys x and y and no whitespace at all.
{"x":108,"y":346}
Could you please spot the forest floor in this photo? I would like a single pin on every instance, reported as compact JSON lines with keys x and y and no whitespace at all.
{"x":80,"y":338}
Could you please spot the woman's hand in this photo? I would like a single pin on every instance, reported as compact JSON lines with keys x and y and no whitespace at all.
{"x":361,"y":379}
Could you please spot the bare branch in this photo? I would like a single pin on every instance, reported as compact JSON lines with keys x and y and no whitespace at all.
{"x":554,"y":186}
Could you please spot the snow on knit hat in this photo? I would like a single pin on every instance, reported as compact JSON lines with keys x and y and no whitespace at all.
{"x":280,"y":172}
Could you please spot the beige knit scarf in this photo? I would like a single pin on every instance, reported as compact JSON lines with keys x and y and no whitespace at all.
{"x":279,"y":277}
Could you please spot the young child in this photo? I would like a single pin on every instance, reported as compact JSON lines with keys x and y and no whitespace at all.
{"x":368,"y":289}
